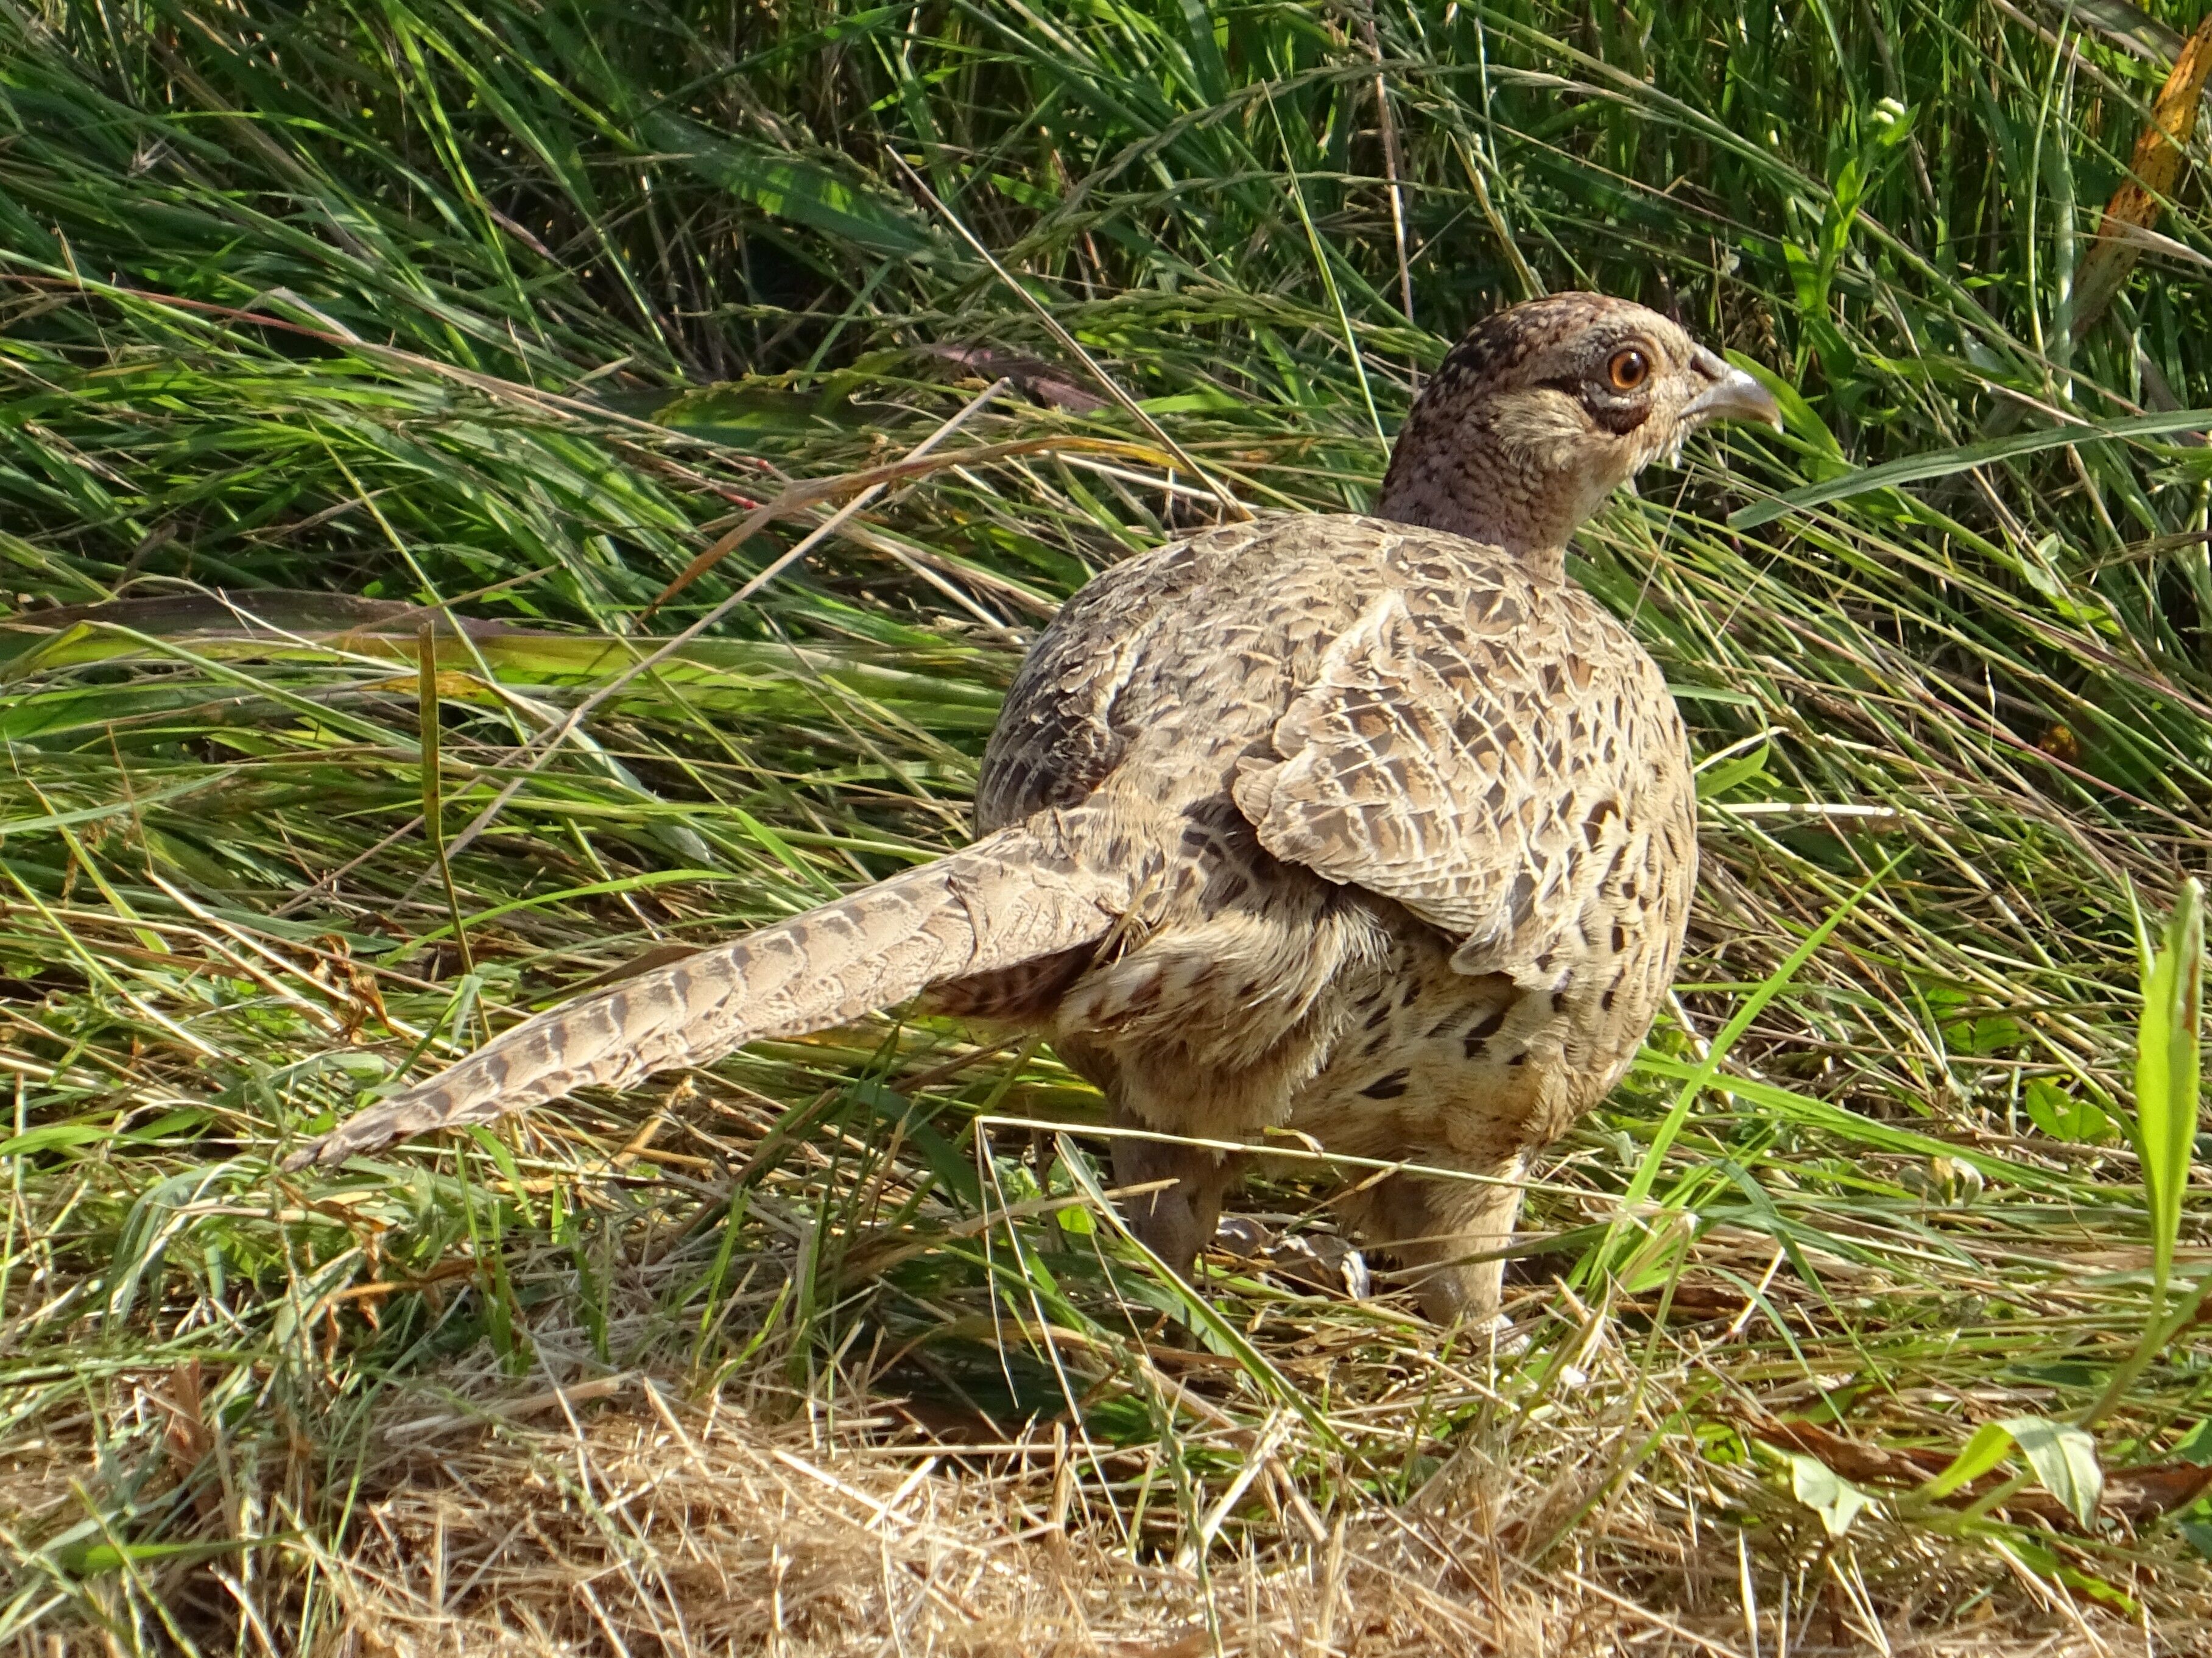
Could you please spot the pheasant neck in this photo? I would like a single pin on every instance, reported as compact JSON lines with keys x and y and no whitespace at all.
{"x":1473,"y":483}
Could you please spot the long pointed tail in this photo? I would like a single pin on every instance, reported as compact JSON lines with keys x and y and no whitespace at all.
{"x":1006,"y":900}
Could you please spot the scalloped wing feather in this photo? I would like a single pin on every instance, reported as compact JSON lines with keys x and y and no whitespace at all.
{"x":1471,"y":749}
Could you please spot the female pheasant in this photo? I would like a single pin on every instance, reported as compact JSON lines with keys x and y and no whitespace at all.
{"x":1378,"y":828}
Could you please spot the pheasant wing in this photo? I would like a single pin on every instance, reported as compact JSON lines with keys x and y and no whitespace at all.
{"x":1478,"y":752}
{"x":1058,"y":737}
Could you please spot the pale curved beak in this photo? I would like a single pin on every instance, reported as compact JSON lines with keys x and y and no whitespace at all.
{"x":1732,"y":395}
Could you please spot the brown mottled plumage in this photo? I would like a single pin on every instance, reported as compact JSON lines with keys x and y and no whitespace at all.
{"x":1378,"y":828}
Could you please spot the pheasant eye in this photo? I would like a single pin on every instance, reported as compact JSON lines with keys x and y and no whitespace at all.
{"x":1628,"y":370}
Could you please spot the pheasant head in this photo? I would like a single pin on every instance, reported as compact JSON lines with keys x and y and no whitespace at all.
{"x":1546,"y":408}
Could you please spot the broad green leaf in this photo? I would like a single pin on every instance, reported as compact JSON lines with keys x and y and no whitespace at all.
{"x":1991,"y":1442}
{"x":2061,"y":1116}
{"x":2064,"y":1459}
{"x":1827,"y":1493}
{"x":2196,"y":1445}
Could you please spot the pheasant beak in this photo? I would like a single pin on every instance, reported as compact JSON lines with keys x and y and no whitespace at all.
{"x":1732,"y":395}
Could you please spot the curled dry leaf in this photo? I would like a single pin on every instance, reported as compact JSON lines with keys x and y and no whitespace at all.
{"x":2153,"y":169}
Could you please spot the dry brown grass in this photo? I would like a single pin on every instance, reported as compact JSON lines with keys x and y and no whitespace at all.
{"x":640,"y":1523}
{"x":624,"y":1514}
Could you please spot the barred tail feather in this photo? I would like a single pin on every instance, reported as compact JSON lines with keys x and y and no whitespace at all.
{"x":1004,"y":901}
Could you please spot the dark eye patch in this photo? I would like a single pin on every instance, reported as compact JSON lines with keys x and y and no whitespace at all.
{"x":1617,"y":412}
{"x":1618,"y":416}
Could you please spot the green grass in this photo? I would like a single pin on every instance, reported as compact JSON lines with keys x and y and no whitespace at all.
{"x":511,"y":312}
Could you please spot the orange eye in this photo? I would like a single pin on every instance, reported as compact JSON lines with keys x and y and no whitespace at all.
{"x":1628,"y":370}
